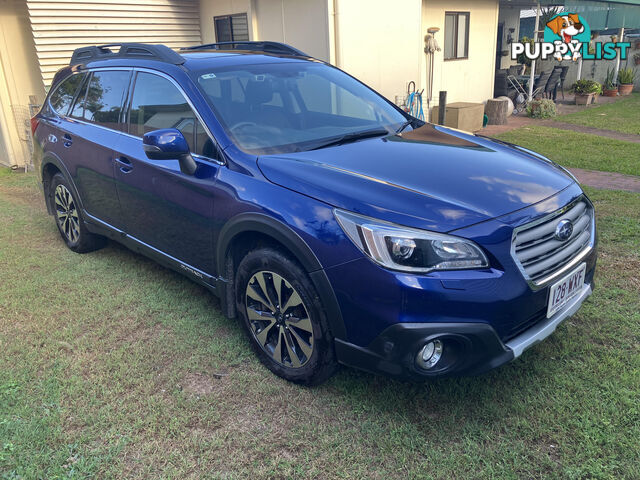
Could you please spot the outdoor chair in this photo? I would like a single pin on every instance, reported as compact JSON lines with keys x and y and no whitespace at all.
{"x":502,"y":86}
{"x":516,"y":70}
{"x":552,"y":84}
{"x":541,"y":84}
{"x":563,"y":75}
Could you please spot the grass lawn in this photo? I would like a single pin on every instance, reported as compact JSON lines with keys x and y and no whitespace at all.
{"x":623,"y":115}
{"x":112,"y":366}
{"x":580,"y":150}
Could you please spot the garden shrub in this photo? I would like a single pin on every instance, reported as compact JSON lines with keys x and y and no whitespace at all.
{"x":542,"y":108}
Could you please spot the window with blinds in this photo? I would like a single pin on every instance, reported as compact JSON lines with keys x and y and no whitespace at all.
{"x":232,"y":28}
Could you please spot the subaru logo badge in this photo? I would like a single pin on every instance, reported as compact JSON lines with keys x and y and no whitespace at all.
{"x":564,"y":229}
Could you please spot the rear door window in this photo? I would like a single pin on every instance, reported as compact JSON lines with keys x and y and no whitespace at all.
{"x":63,"y":95}
{"x":101,"y":99}
{"x":157,"y":103}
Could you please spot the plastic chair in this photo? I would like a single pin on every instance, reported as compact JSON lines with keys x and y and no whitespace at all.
{"x":552,"y":84}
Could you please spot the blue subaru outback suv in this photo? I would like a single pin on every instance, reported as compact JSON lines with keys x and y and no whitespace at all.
{"x":335,"y":226}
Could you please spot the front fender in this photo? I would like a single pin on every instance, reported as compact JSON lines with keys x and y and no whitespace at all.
{"x":280,"y":232}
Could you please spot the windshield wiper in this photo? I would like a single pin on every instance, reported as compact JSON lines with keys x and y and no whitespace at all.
{"x":404,"y":125}
{"x":352,"y":137}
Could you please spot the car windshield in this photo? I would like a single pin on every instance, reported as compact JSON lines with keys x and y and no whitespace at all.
{"x":294,"y":106}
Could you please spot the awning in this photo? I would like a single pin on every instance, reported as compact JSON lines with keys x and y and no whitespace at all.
{"x":603,"y":15}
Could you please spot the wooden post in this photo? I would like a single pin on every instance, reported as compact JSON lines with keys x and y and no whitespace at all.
{"x":442,"y":107}
{"x":532,"y":74}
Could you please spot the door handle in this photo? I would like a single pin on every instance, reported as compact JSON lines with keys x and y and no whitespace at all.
{"x":125,"y":164}
{"x":67,"y":140}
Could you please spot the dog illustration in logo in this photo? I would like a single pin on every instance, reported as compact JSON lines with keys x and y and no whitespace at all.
{"x":566,"y":26}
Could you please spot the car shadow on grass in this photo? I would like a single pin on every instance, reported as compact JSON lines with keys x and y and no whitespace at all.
{"x":441,"y":400}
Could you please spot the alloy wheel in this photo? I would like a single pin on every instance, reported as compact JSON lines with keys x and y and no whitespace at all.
{"x":279,"y":320}
{"x":67,"y":213}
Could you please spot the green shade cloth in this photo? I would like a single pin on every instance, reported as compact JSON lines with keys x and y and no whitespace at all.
{"x":604,"y":15}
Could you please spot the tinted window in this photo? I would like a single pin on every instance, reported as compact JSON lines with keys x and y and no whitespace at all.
{"x":157,"y":104}
{"x":100,"y":100}
{"x":62,"y":97}
{"x":288,"y":107}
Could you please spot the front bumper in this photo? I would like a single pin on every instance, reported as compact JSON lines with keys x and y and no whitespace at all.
{"x":469,"y":348}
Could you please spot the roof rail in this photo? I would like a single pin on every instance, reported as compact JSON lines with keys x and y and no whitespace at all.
{"x":260,"y":46}
{"x":161,"y":53}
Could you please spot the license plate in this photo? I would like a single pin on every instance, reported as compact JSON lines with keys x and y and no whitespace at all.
{"x":564,"y":290}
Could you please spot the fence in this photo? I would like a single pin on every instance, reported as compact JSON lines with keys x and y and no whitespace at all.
{"x":22,"y":116}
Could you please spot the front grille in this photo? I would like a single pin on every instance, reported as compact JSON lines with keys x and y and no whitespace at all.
{"x":517,"y":329}
{"x":541,"y":256}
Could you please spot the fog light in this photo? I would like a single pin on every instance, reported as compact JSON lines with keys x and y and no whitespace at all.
{"x":430,"y":354}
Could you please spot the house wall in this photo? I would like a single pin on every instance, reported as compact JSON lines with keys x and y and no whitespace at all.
{"x":215,"y":8}
{"x":379,"y":44}
{"x":300,"y":23}
{"x":303,"y":24}
{"x":19,"y":79}
{"x":60,"y":26}
{"x":469,"y":80}
{"x":510,"y":16}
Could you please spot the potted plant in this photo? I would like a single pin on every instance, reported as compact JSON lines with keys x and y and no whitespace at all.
{"x":522,"y":58}
{"x":610,"y":88}
{"x":585,"y":90}
{"x":636,"y":58}
{"x":625,"y":80}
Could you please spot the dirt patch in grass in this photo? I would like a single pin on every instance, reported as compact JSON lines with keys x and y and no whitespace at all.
{"x":22,"y":196}
{"x":200,"y":384}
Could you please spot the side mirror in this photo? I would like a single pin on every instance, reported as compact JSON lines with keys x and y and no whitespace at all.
{"x":169,"y":144}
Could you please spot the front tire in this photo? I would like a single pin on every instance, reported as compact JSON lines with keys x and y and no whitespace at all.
{"x":69,"y":218}
{"x":283,"y":316}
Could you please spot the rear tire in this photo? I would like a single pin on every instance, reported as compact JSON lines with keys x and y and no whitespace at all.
{"x":284,"y":318}
{"x":68,"y":216}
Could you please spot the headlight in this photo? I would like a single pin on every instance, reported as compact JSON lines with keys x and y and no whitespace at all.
{"x":408,"y":249}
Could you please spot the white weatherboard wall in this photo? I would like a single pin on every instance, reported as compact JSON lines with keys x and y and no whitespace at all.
{"x":468,"y":80}
{"x":380,"y":42}
{"x":61,"y":26}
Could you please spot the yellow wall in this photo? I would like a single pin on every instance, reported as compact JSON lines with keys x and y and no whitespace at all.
{"x":19,"y":76}
{"x":215,"y":8}
{"x":469,"y":80}
{"x":379,"y":42}
{"x":300,"y":23}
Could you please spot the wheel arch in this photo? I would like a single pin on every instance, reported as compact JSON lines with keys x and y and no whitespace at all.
{"x":50,"y":166}
{"x":250,"y":229}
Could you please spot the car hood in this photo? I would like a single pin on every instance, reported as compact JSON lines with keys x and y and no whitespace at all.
{"x":432,"y":177}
